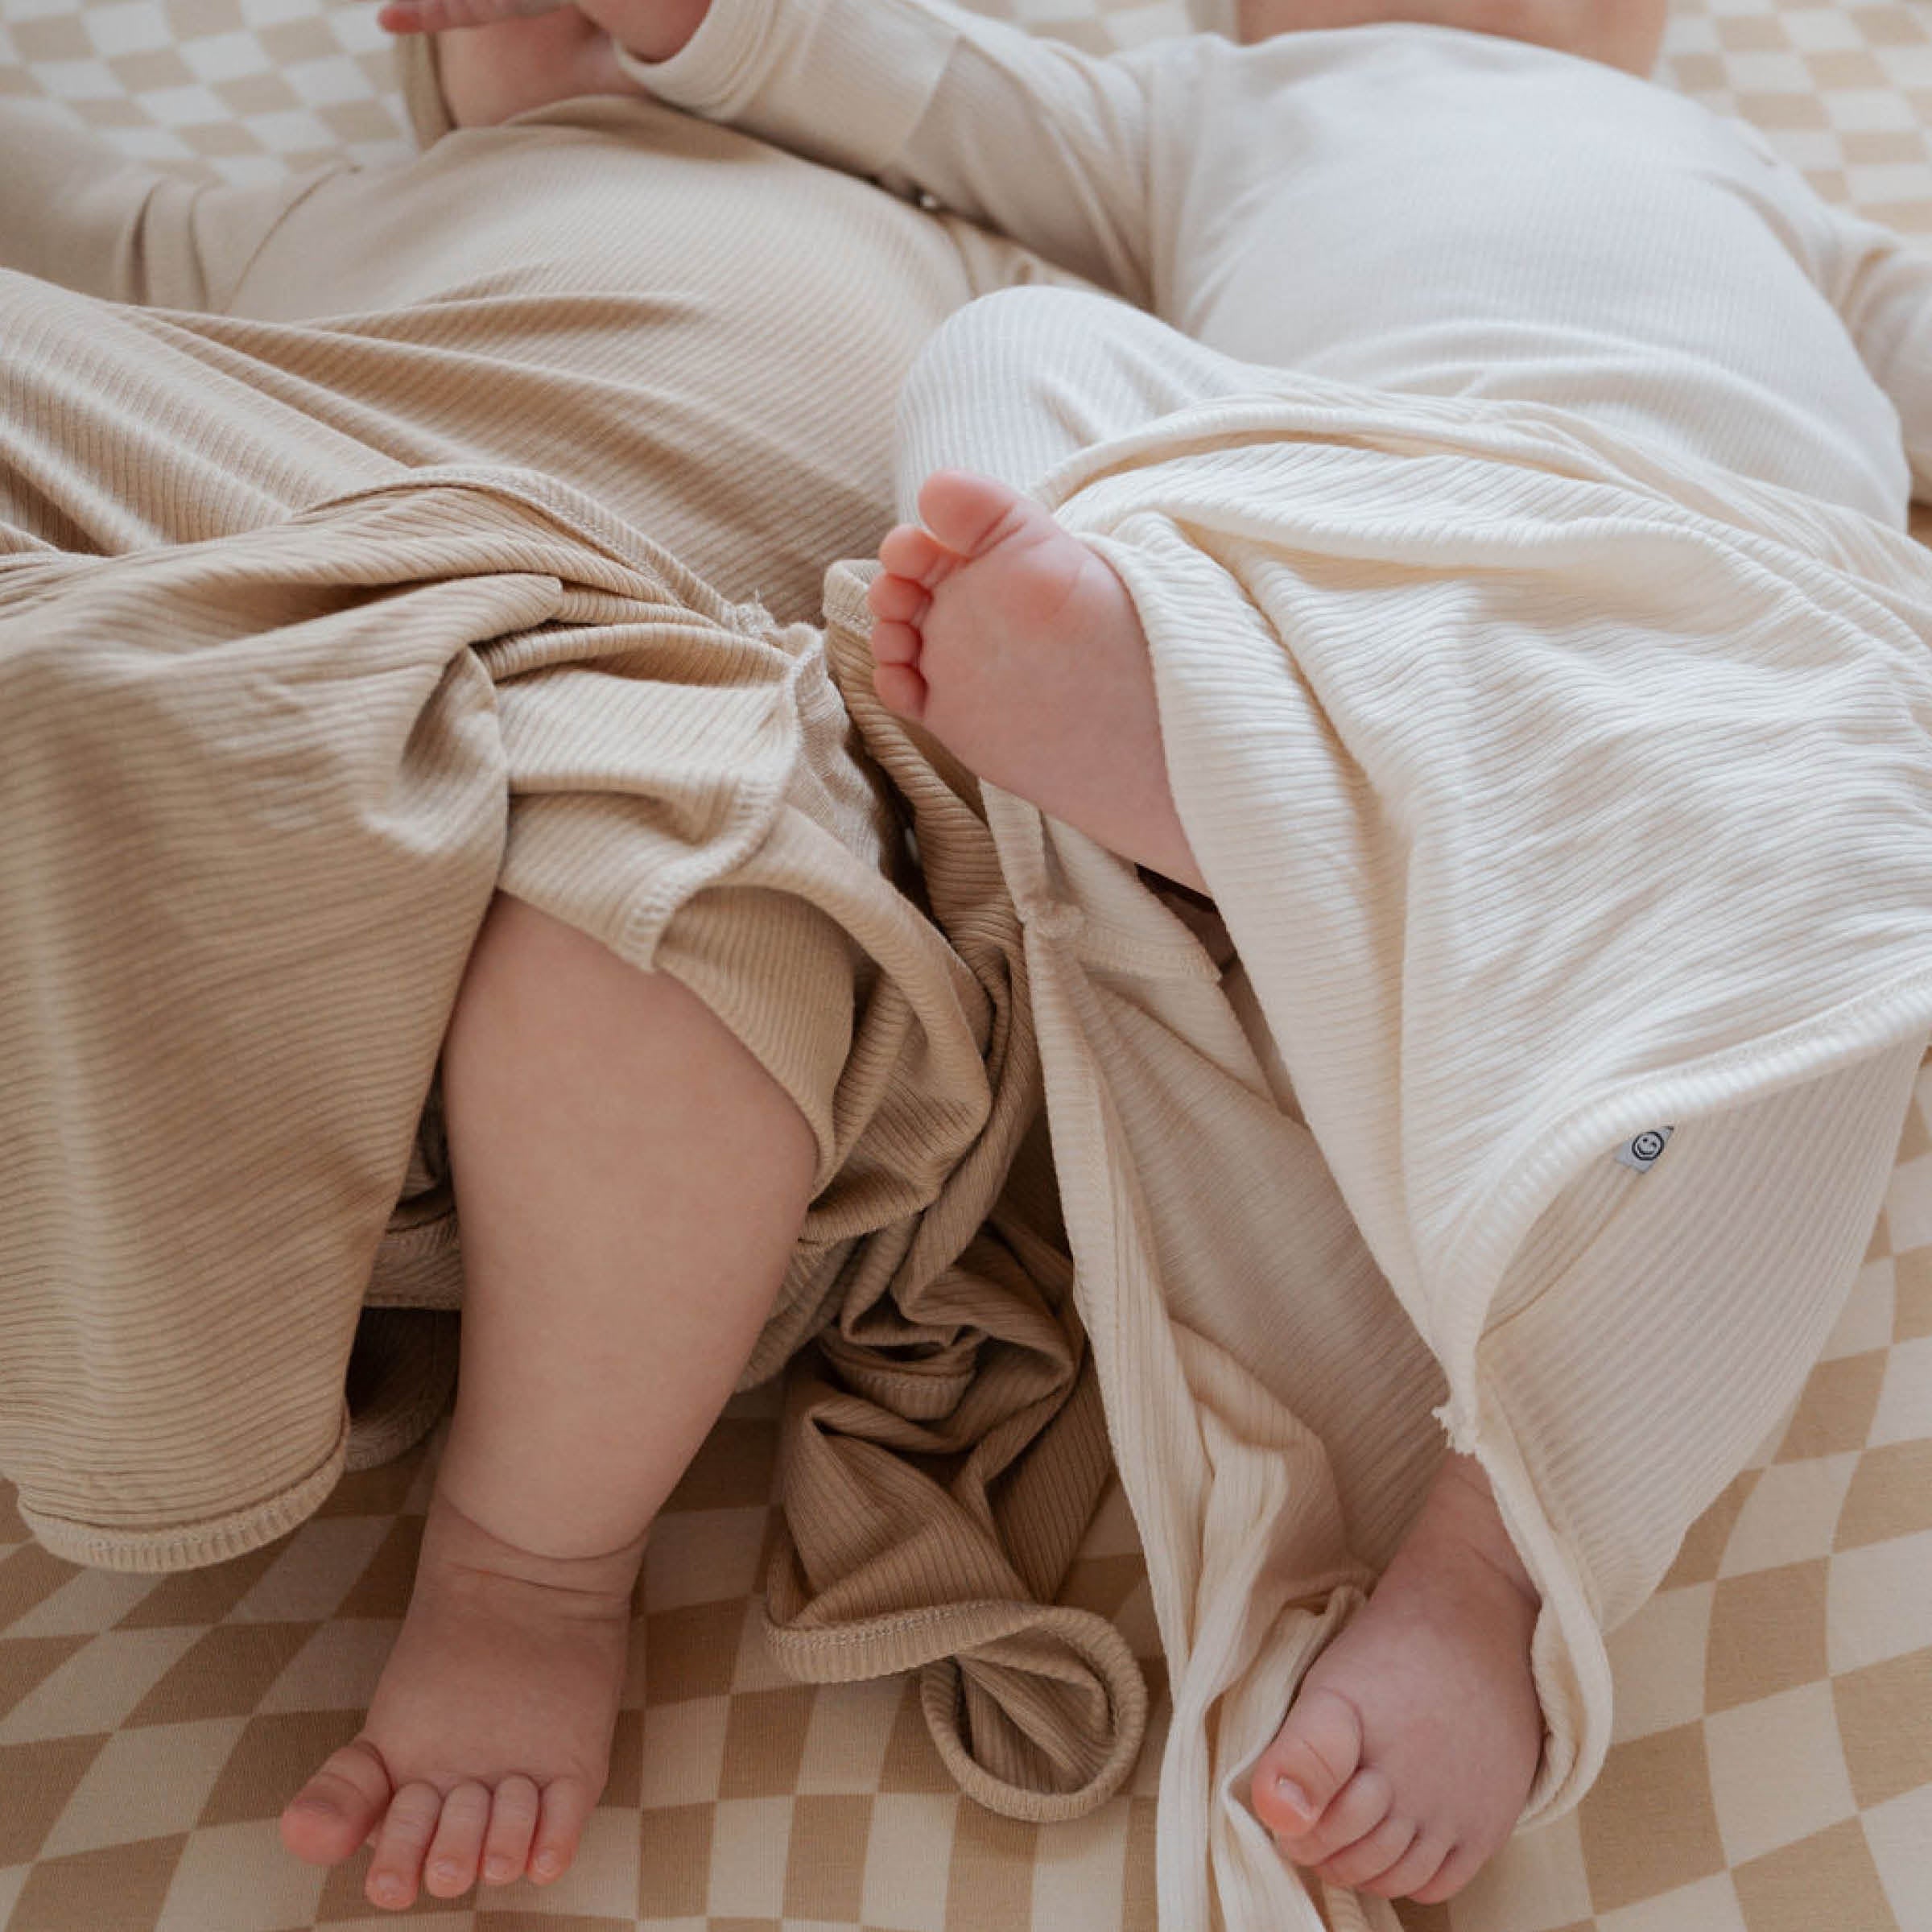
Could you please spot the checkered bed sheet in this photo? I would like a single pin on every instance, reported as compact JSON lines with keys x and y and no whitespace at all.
{"x":1772,"y":1766}
{"x":1771,"y":1772}
{"x":249,"y":88}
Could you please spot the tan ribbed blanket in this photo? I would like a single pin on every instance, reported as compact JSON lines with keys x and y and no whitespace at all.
{"x":257,"y":791}
{"x":1557,"y":803}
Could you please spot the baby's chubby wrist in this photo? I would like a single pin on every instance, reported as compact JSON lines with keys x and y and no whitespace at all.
{"x":648,"y":30}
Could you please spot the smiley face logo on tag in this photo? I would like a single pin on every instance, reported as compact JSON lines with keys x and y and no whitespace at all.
{"x":1642,"y":1151}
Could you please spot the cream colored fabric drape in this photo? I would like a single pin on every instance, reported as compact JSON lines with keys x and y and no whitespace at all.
{"x":1550,"y":794}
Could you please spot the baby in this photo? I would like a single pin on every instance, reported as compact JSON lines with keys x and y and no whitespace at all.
{"x":1407,"y":209}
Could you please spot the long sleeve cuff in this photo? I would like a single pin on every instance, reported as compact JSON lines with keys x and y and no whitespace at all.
{"x":840,"y":83}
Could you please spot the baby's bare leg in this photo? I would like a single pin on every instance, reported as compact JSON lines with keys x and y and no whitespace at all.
{"x":1407,"y":1754}
{"x":1409,"y":1749}
{"x":631,"y":1182}
{"x":1621,"y":33}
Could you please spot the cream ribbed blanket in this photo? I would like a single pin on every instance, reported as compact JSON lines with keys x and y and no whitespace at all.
{"x":1590,"y":800}
{"x":1554,"y":736}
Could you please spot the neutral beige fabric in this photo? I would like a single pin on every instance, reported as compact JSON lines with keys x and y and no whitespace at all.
{"x":318,"y":630}
{"x":1279,"y":1327}
{"x":481,"y":305}
{"x":129,"y":428}
{"x":1768,"y":1772}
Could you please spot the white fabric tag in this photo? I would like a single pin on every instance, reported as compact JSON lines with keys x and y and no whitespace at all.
{"x":1642,"y":1151}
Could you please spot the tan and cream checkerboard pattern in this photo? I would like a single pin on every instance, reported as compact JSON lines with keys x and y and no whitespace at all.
{"x":1771,"y":1772}
{"x":149,"y":1732}
{"x":249,"y":89}
{"x":1772,"y":1766}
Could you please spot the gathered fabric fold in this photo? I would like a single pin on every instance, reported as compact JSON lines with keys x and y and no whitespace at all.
{"x":1560,"y":801}
{"x":262,"y":787}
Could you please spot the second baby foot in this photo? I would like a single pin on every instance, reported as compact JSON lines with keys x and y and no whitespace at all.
{"x":1408,"y":1752}
{"x":1019,"y":649}
{"x":488,"y":1742}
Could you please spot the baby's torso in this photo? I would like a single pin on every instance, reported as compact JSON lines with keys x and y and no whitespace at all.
{"x":1448,"y":214}
{"x":705,"y":334}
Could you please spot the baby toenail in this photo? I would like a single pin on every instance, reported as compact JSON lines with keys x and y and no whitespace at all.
{"x":1291,"y":1793}
{"x":498,"y":1869}
{"x":547,"y":1864}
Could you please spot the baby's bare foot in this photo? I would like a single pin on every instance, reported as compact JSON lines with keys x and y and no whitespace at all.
{"x":488,"y":1739}
{"x":1019,"y":648}
{"x":1408,"y":1752}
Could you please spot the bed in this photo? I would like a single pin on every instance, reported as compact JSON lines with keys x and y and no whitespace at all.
{"x":1773,"y":1765}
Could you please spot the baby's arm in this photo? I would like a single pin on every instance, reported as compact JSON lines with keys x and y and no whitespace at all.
{"x":1882,"y":286}
{"x":1042,"y":142}
{"x":654,"y":29}
{"x":1045,"y":143}
{"x":78,"y":212}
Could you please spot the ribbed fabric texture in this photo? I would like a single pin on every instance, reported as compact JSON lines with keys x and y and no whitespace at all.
{"x":323,"y":619}
{"x":1543,"y":676}
{"x":1399,"y":207}
{"x":1589,"y":795}
{"x":1281,"y":1286}
{"x":704,"y":335}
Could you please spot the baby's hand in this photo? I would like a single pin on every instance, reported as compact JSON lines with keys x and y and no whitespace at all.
{"x":434,"y":16}
{"x":654,"y":30}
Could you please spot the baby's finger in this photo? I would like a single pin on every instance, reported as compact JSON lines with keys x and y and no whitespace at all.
{"x":440,"y":16}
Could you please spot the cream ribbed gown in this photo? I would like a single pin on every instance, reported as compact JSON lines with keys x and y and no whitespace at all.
{"x":1542,"y":672}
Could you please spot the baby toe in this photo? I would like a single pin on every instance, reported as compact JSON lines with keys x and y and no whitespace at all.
{"x":396,"y":1870}
{"x":1361,"y":1808}
{"x":1373,"y":1853}
{"x":969,"y":513}
{"x":894,"y":643}
{"x":561,"y":1817}
{"x":450,"y":1865}
{"x":1456,"y":1870}
{"x":513,"y":1822}
{"x":901,"y":690}
{"x":910,"y":552}
{"x":1415,"y":1868}
{"x":898,"y":599}
{"x":339,"y":1807}
{"x":1315,"y":1753}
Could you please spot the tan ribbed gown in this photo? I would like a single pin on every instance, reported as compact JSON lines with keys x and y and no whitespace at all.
{"x":1543,"y":674}
{"x":403,"y":546}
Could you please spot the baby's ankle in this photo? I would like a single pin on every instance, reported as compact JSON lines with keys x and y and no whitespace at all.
{"x":463,"y":1541}
{"x":1461,"y":1520}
